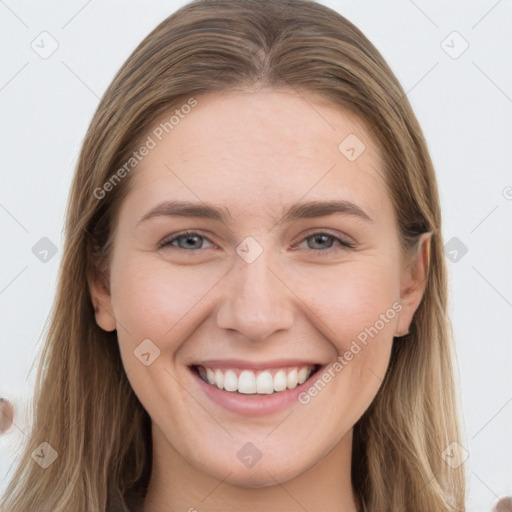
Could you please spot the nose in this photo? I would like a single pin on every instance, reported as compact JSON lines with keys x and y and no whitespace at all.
{"x":257,"y":302}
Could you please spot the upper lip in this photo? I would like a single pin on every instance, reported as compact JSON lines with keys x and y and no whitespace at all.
{"x":252,"y":365}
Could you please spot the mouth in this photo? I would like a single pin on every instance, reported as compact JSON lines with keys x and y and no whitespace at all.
{"x":255,"y":382}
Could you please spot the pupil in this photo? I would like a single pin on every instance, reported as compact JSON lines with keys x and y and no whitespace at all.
{"x":322,"y":239}
{"x":189,"y":240}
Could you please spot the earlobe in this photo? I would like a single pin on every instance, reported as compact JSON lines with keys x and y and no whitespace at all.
{"x":105,"y":318}
{"x":100,"y":296}
{"x":413,"y":283}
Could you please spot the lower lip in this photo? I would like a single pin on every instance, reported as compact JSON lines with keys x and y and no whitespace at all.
{"x":252,"y":405}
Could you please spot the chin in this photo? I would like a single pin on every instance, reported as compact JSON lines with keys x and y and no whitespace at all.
{"x":258,"y":478}
{"x":265,"y":473}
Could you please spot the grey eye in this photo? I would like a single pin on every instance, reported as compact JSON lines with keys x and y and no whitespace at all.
{"x":320,"y":240}
{"x":185,"y":241}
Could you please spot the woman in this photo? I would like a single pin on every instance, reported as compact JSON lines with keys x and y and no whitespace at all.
{"x":251,"y":305}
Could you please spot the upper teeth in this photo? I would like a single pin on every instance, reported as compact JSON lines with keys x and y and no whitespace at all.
{"x":248,"y":382}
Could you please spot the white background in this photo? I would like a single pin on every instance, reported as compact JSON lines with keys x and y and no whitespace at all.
{"x":463,"y":104}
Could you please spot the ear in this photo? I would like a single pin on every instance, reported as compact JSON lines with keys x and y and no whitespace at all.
{"x":412,"y":284}
{"x":100,"y":295}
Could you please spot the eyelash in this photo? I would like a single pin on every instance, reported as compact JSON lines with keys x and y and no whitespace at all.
{"x":166,"y":242}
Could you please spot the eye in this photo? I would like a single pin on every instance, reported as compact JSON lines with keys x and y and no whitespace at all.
{"x":192,"y":240}
{"x":325,"y":242}
{"x":187,"y":241}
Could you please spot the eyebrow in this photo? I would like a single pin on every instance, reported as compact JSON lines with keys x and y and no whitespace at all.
{"x":311,"y":209}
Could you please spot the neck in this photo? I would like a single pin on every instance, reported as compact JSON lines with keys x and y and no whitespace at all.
{"x":176,"y":484}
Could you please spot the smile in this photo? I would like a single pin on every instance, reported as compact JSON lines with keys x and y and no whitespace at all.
{"x":256,"y":382}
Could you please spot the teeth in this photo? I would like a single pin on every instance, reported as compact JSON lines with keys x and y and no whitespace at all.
{"x":219,"y":379}
{"x":291,"y":379}
{"x":280,"y":381}
{"x":264,"y":383}
{"x":247,"y":383}
{"x":230,"y":381}
{"x":302,"y":375}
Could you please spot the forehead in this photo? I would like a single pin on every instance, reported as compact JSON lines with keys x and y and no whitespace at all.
{"x":262,"y":149}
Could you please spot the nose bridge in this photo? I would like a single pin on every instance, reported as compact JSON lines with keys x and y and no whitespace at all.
{"x":257,"y":302}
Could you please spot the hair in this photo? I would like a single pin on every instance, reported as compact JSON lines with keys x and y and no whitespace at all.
{"x":84,"y":406}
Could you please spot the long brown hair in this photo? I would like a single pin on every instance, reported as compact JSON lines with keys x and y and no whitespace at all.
{"x":84,"y":406}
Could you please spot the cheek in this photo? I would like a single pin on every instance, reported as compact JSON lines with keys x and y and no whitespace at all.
{"x":155,"y":301}
{"x":352,"y":298}
{"x":151,"y":298}
{"x":358,"y":308}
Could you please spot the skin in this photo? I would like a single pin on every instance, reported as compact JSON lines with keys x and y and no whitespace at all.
{"x":254,"y":154}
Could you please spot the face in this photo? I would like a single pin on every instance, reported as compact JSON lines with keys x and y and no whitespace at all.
{"x":257,"y":319}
